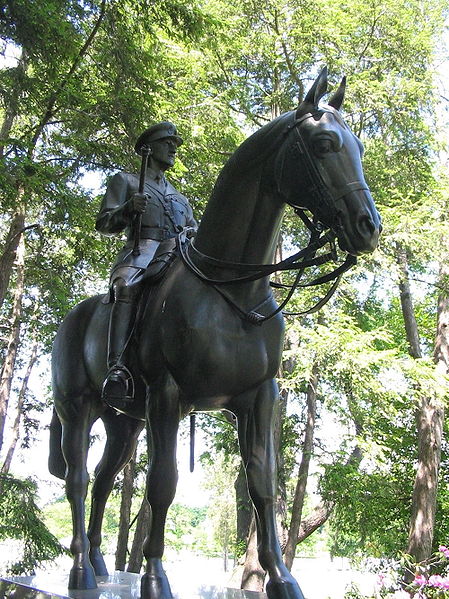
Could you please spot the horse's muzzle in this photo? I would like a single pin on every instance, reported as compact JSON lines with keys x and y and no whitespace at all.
{"x":359,"y":224}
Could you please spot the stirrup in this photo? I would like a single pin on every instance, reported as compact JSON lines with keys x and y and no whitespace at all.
{"x":118,"y":387}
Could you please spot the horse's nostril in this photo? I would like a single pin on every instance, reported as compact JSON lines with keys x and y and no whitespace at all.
{"x":367,"y":224}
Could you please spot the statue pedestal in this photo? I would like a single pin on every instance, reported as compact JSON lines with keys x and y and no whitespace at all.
{"x":120,"y":585}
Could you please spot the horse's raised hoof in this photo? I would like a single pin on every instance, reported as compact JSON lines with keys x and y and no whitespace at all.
{"x":154,"y":583}
{"x":82,"y":578}
{"x":283,"y":590}
{"x":97,"y":561}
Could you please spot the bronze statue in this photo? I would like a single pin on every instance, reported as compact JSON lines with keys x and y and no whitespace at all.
{"x":152,"y":212}
{"x":210,"y":334}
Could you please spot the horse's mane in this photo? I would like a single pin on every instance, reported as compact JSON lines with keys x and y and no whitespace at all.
{"x":255,"y":150}
{"x":261,"y":144}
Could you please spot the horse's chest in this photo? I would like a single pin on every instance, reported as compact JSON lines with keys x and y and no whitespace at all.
{"x":212,"y":360}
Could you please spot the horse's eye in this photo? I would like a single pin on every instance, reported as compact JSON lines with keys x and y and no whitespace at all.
{"x":322,"y":146}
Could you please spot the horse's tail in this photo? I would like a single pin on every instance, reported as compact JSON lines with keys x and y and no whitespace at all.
{"x":56,"y":462}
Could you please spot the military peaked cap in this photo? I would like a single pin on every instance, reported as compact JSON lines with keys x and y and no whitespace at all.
{"x":155,"y":132}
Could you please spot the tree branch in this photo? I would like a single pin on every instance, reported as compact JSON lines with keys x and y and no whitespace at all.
{"x":50,"y":109}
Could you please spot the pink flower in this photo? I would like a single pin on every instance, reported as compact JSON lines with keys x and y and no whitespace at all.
{"x":444,"y":550}
{"x":438,"y":582}
{"x":420,"y":579}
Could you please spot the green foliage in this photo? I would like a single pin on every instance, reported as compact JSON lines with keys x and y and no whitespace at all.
{"x":370,"y":510}
{"x":186,"y":528}
{"x":221,"y":513}
{"x":21,"y":519}
{"x":57,"y":517}
{"x":218,"y":69}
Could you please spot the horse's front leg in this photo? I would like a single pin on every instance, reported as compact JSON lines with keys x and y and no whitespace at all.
{"x":255,"y":429}
{"x":76,"y":425}
{"x":163,"y":416}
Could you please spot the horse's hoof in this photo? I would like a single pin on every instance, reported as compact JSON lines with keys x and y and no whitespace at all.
{"x":154,"y":584}
{"x":283,"y":590}
{"x":82,"y":579}
{"x":97,"y":561}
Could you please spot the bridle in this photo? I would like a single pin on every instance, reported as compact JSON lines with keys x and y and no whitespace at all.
{"x":320,"y":235}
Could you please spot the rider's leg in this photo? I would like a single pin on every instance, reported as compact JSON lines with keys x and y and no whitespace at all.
{"x":121,"y":322}
{"x":118,"y":386}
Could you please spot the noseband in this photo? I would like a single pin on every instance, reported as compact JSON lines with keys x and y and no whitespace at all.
{"x":320,"y":235}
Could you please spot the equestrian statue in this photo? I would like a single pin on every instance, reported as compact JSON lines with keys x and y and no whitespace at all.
{"x":207,"y":334}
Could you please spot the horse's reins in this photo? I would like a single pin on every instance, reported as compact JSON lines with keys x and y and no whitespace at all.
{"x":305,"y":258}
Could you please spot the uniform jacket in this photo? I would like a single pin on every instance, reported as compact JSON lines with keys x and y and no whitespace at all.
{"x":167,"y":213}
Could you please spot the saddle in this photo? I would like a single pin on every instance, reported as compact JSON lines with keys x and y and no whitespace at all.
{"x":157,"y":268}
{"x":164,"y":256}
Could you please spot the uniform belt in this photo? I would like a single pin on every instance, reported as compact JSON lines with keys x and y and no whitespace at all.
{"x":157,"y":233}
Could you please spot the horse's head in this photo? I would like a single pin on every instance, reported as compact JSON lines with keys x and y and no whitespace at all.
{"x":320,"y":170}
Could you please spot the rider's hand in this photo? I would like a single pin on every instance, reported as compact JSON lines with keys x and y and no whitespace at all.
{"x":137,"y":203}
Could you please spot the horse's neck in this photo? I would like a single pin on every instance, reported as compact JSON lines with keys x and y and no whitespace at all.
{"x":241,"y":222}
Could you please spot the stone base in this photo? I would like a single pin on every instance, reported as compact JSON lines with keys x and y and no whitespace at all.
{"x":120,"y":585}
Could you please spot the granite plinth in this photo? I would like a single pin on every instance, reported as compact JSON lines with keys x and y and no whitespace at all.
{"x":120,"y":585}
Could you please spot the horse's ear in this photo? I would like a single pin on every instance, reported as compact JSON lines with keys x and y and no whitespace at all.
{"x":337,"y":99}
{"x":318,"y":89}
{"x":315,"y":93}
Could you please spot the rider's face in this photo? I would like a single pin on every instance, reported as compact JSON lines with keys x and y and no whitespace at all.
{"x":164,"y":152}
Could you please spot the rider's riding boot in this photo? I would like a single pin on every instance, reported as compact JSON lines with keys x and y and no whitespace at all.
{"x":118,"y":387}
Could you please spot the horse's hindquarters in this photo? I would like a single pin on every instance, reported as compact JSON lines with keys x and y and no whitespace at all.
{"x":75,"y":351}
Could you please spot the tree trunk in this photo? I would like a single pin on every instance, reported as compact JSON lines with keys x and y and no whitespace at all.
{"x":322,"y":512}
{"x":125,"y":515}
{"x":408,"y":312}
{"x":441,"y":351}
{"x":12,"y":104}
{"x":7,"y":371}
{"x":10,"y":249}
{"x":142,"y":528}
{"x":300,"y":491}
{"x":281,"y":500}
{"x":253,"y":574}
{"x":244,"y":507}
{"x":429,"y":421}
{"x":19,"y":409}
{"x":317,"y":518}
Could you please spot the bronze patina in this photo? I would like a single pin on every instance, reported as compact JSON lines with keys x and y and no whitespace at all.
{"x":151,"y":212}
{"x":210,"y":336}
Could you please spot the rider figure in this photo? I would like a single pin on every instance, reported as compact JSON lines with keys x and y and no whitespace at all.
{"x":164,"y":213}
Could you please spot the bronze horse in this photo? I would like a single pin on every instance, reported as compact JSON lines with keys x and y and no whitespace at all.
{"x":203,"y":346}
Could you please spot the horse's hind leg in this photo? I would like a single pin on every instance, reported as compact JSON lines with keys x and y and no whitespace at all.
{"x":77,"y":419}
{"x":163,"y":418}
{"x":122,"y":434}
{"x":255,"y":429}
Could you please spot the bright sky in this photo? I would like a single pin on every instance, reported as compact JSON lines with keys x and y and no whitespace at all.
{"x":33,"y":462}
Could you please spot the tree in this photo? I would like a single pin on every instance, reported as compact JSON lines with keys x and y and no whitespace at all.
{"x":91,"y":75}
{"x":62,"y":115}
{"x":21,"y":519}
{"x":390,"y":96}
{"x":125,"y":515}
